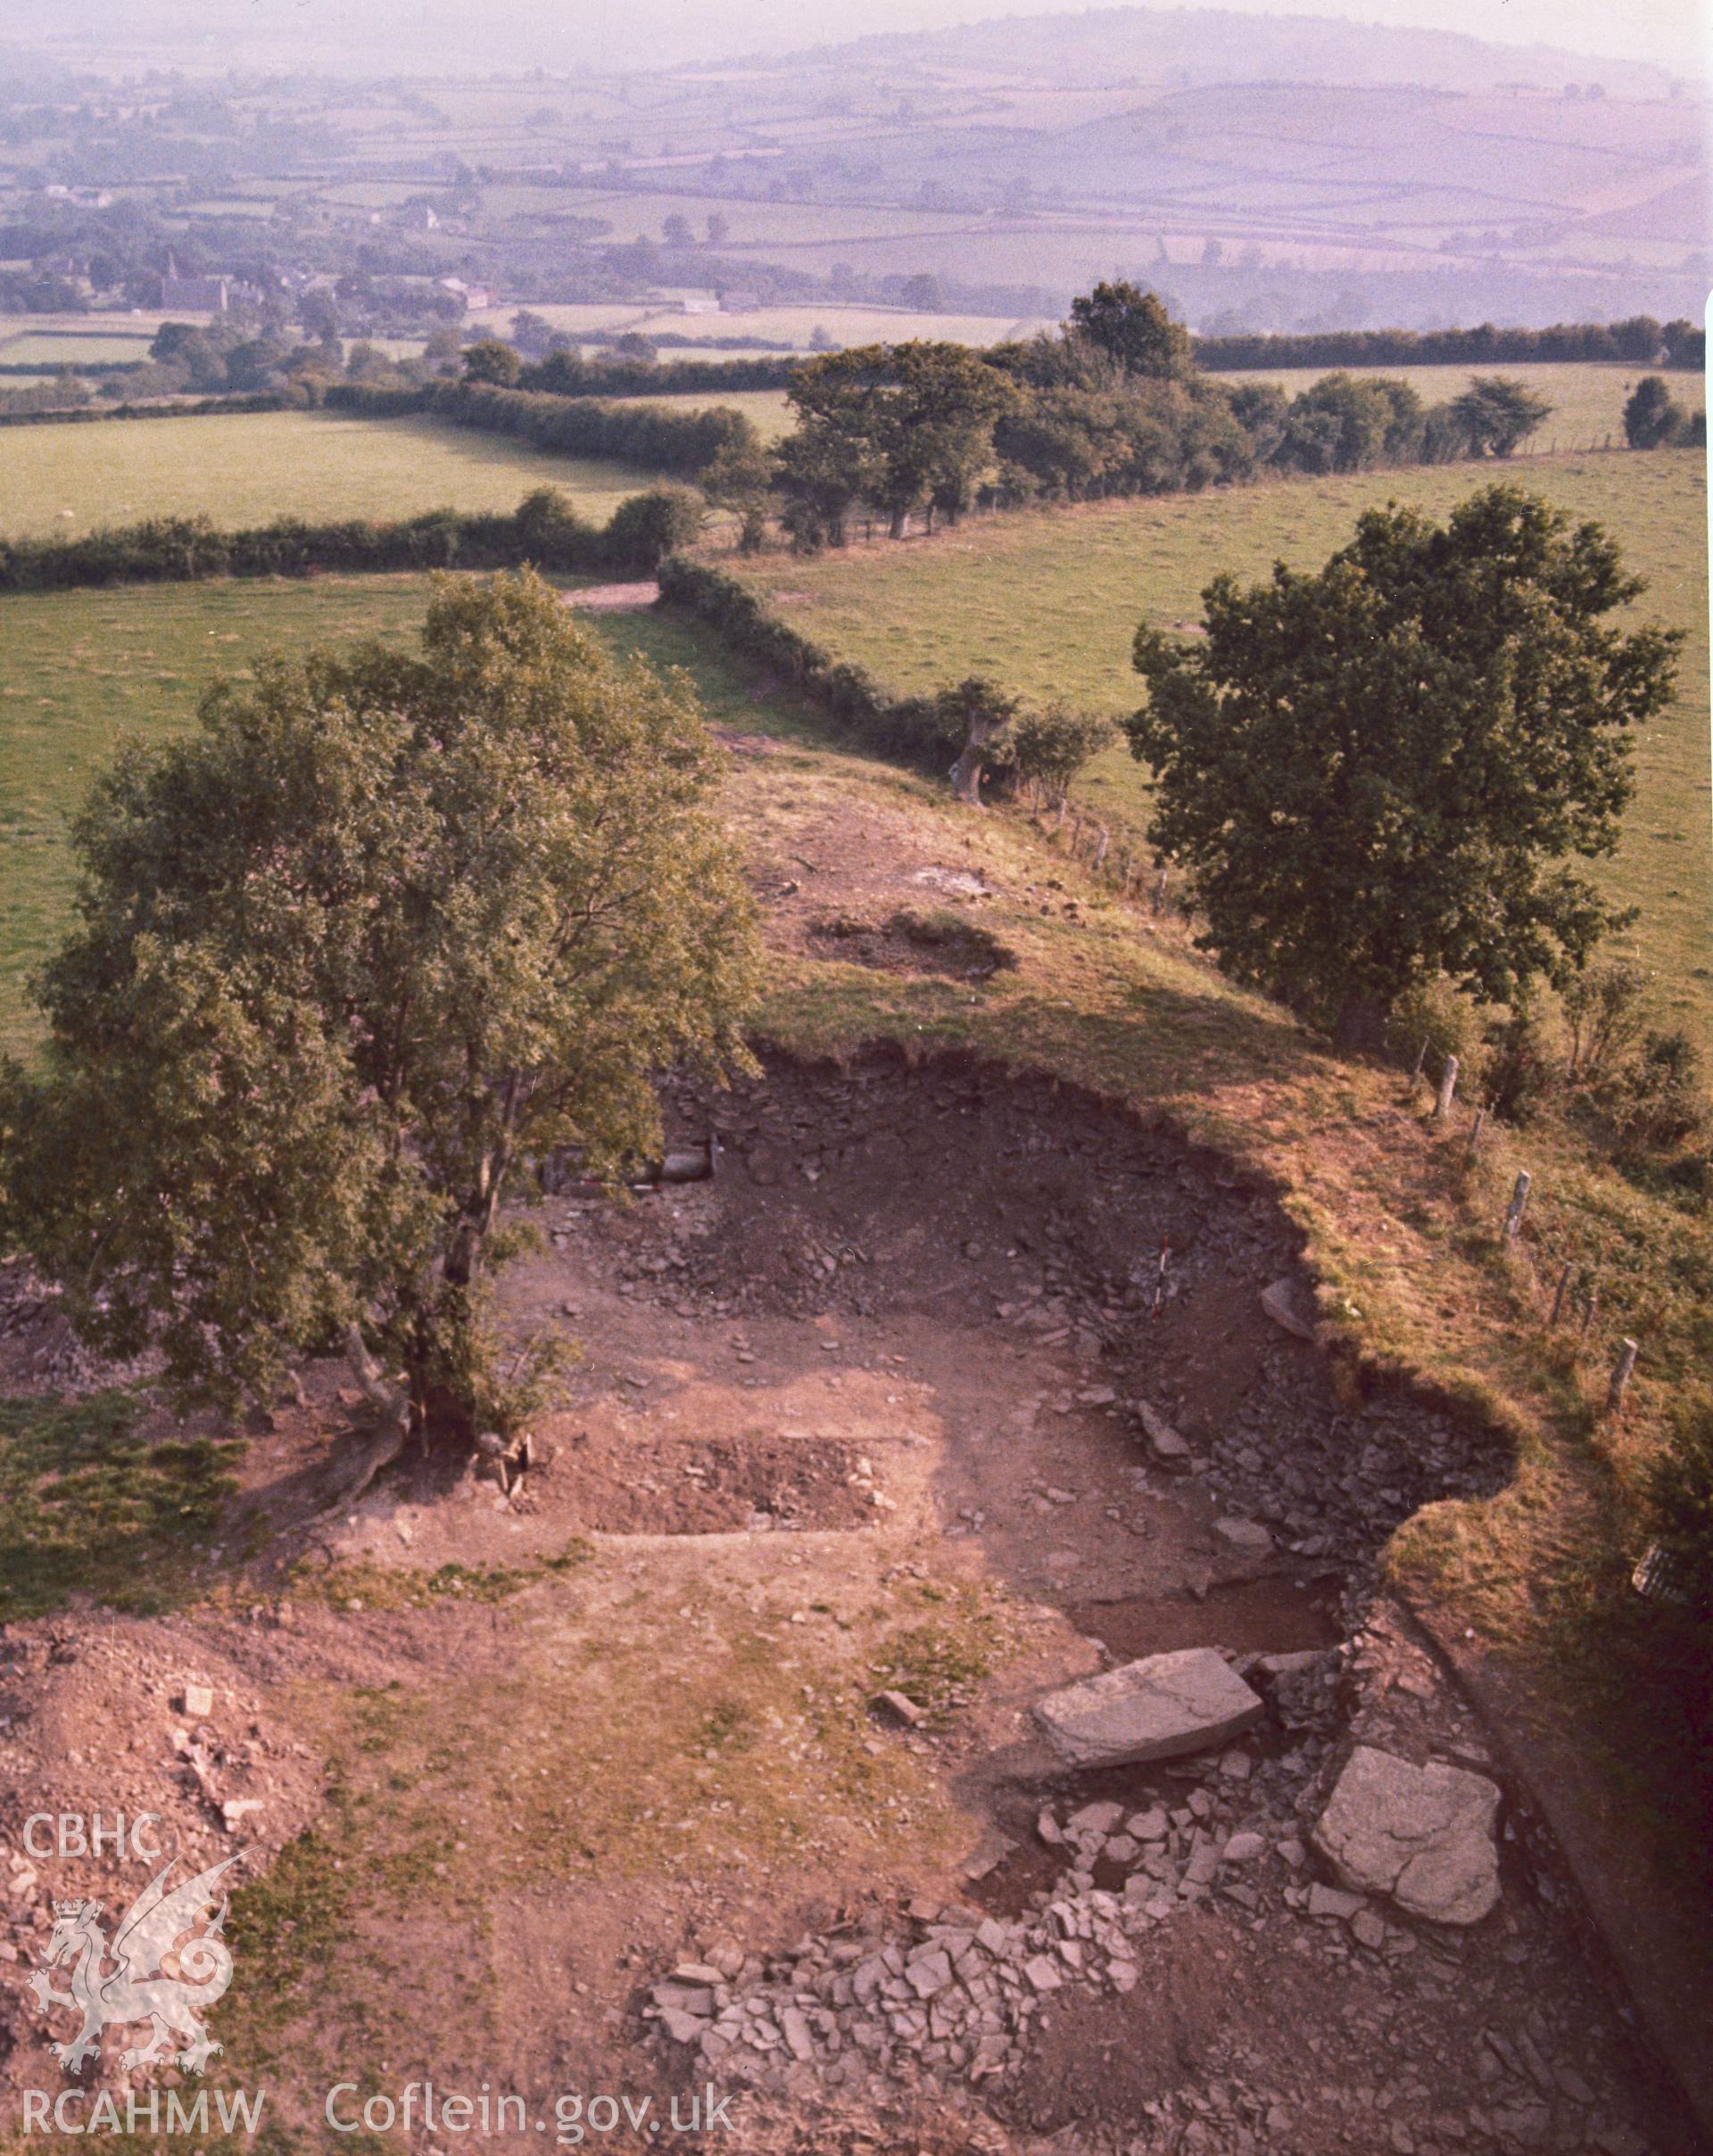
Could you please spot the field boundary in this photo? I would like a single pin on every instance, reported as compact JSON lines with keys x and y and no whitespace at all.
{"x":542,"y":532}
{"x":674,"y":441}
{"x":915,"y":730}
{"x":848,"y":695}
{"x":201,"y":407}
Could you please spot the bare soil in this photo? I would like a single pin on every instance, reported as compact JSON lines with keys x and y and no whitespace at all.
{"x":909,"y":942}
{"x":868,"y":1401}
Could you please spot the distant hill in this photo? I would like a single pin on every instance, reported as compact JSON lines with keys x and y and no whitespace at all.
{"x":1264,"y":172}
{"x":1182,"y":47}
{"x":31,"y":74}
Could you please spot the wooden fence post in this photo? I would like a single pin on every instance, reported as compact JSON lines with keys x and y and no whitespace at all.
{"x":1447,"y":1090}
{"x":1422,"y":1057}
{"x":1518,"y":1203}
{"x":1588,"y":1311}
{"x":1620,"y":1380}
{"x":1562,"y":1291}
{"x":1100,"y":850}
{"x":1160,"y":891}
{"x":1475,"y":1134}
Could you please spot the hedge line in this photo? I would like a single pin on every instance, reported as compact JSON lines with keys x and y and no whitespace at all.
{"x":256,"y":400}
{"x":86,"y":367}
{"x":676,"y":442}
{"x":1641,"y":342}
{"x":567,"y":374}
{"x":542,"y":531}
{"x":913,"y":730}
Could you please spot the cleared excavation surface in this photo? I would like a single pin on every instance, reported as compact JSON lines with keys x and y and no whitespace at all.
{"x":877,"y":1407}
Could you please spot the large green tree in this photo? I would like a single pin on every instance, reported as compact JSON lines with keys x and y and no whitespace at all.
{"x":1499,"y":413}
{"x":1653,"y":418}
{"x":492,"y":361}
{"x":1376,"y":772}
{"x":385,"y":928}
{"x":906,"y":427}
{"x":1133,"y":328}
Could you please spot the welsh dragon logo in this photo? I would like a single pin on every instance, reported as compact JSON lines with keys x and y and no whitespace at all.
{"x":161,"y":1926}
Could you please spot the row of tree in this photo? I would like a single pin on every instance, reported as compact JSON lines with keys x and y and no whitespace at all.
{"x":1641,"y":341}
{"x":628,"y":368}
{"x":631,"y":367}
{"x":22,"y":408}
{"x":1113,"y":405}
{"x":1020,"y":743}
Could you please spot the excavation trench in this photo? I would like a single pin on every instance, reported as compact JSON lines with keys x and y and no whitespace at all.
{"x":928,"y":1293}
{"x":950,"y":1272}
{"x":895,"y":1353}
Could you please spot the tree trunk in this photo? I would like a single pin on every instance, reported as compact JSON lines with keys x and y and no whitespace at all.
{"x":381,"y":1446}
{"x":966,"y":772}
{"x":1360,"y":1024}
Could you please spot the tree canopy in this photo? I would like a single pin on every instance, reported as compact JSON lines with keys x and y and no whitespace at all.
{"x":1499,"y":414}
{"x":384,"y":929}
{"x":493,"y":361}
{"x":903,"y":427}
{"x":1654,"y":419}
{"x":1112,"y":404}
{"x":1376,"y":772}
{"x":1133,"y":328}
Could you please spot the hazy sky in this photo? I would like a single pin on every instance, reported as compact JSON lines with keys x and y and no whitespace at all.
{"x":642,"y":33}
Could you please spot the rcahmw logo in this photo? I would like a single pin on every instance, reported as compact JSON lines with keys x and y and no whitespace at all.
{"x":147,"y":2111}
{"x":170,"y":1964}
{"x":72,"y":1834}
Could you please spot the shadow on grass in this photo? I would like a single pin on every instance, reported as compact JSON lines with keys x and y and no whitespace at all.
{"x":89,"y":1506}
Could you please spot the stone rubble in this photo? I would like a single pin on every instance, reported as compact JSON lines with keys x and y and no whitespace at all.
{"x":1304,"y":1462}
{"x":950,"y":1996}
{"x":952,"y":1990}
{"x":1328,"y":1480}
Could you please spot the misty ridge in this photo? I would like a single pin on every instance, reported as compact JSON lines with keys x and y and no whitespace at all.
{"x":1262,"y":173}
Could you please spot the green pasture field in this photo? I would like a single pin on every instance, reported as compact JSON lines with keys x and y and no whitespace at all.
{"x":752,"y":225}
{"x":1587,"y":399}
{"x":134,"y":325}
{"x":1049,"y":603}
{"x":575,"y":318}
{"x":765,"y":408}
{"x":229,"y":205}
{"x":61,"y":348}
{"x":82,"y":670}
{"x":244,"y":468}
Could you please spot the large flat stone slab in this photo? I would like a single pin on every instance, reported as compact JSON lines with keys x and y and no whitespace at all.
{"x":1422,"y":1835}
{"x":1158,"y":1708}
